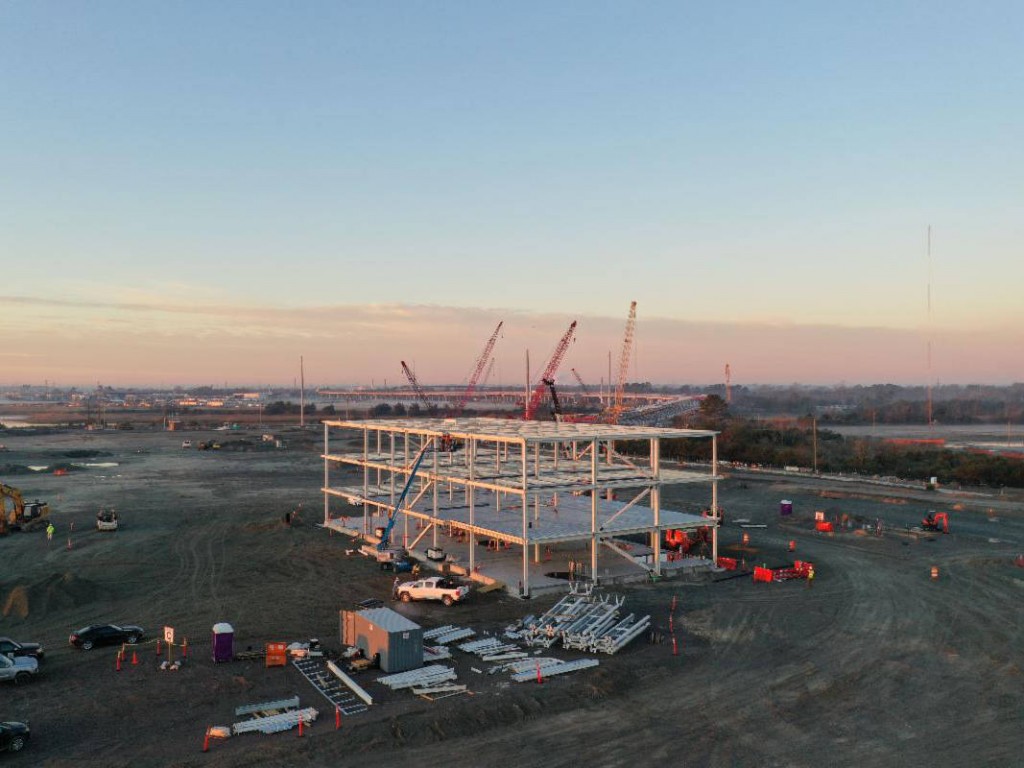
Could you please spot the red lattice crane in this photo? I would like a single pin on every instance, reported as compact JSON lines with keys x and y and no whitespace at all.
{"x":416,"y":386}
{"x":617,"y":408}
{"x":487,"y":376}
{"x":478,"y":369}
{"x":579,"y":380}
{"x":549,"y":372}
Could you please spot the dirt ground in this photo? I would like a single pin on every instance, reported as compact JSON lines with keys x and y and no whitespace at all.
{"x":876,"y":664}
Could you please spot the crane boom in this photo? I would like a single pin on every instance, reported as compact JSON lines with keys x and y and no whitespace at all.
{"x":414,"y":383}
{"x":487,"y":376}
{"x":478,"y":370}
{"x":627,"y":347}
{"x":579,"y":380}
{"x":549,"y":372}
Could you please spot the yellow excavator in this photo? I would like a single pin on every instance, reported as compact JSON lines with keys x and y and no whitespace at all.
{"x":21,"y":516}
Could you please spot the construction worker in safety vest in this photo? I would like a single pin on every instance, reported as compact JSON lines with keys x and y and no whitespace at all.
{"x":810,"y":577}
{"x":49,"y":532}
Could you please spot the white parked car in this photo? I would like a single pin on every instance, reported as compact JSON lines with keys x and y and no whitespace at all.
{"x":432,"y":588}
{"x":20,"y":669}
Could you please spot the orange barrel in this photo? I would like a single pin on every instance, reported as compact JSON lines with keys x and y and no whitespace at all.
{"x":935,"y":571}
{"x":746,"y":539}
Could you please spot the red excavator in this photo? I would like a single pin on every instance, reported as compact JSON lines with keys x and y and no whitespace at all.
{"x":936,"y":522}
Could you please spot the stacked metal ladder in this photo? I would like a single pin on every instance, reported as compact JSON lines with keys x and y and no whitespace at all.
{"x":330,"y":687}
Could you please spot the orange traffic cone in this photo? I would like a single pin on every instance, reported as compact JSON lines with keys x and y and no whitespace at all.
{"x":135,"y":658}
{"x":118,"y":664}
{"x":337,"y":718}
{"x":158,"y":646}
{"x":206,"y":741}
{"x":300,"y":725}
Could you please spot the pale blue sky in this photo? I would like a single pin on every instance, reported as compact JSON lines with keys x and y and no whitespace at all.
{"x":723,"y":162}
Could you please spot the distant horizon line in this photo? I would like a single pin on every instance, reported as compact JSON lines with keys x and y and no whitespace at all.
{"x":511,"y":388}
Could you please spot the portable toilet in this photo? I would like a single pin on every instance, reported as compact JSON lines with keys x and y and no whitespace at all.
{"x":223,"y":642}
{"x":785,"y":507}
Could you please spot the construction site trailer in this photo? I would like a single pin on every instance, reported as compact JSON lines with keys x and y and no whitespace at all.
{"x":383,"y":631}
{"x":534,"y":485}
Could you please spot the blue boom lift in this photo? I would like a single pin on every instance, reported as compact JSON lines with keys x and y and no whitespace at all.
{"x":384,"y":552}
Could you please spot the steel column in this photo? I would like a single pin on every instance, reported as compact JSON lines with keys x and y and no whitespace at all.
{"x":327,"y":475}
{"x":714,"y":498}
{"x":656,"y":502}
{"x":593,"y":511}
{"x":471,"y":495}
{"x":526,"y":541}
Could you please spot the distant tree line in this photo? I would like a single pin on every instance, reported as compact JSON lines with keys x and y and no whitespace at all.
{"x":756,"y":442}
{"x":883,"y":403}
{"x":282,"y":408}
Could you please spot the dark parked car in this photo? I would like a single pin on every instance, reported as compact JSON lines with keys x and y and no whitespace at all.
{"x":12,"y":648}
{"x":106,"y":634}
{"x":13,"y":736}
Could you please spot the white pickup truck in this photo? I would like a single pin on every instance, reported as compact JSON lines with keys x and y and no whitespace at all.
{"x":432,"y":588}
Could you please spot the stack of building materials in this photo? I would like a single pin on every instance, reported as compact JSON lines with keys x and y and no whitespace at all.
{"x":448,"y":634}
{"x":430,"y":634}
{"x":582,"y":622}
{"x":549,"y":670}
{"x":572,"y":613}
{"x":433,"y":653}
{"x":581,"y":633}
{"x":492,"y":649}
{"x":426,"y":677}
{"x":618,"y":637}
{"x":521,"y":665}
{"x":273,"y":716}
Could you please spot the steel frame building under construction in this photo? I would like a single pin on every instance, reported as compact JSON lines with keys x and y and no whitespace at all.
{"x":519,"y":482}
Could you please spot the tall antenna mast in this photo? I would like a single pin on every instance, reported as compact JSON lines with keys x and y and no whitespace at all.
{"x":929,"y":406}
{"x":302,"y":393}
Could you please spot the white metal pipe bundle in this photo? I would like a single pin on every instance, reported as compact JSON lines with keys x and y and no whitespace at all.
{"x":437,"y":631}
{"x":612,"y":645}
{"x":555,"y":669}
{"x":455,"y":634}
{"x":418,"y":677}
{"x":276,"y":723}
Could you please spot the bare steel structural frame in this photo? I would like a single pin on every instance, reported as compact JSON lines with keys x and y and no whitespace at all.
{"x":520,"y":482}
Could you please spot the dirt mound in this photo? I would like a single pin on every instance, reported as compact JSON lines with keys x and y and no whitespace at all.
{"x":16,"y":604}
{"x":54,"y":593}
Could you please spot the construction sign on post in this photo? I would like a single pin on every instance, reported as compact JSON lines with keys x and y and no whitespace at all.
{"x":169,"y":639}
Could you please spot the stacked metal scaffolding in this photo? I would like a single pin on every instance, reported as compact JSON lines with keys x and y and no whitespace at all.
{"x":584,"y":622}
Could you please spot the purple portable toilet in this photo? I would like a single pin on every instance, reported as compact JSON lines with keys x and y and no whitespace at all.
{"x":785,"y":507}
{"x":223,"y":642}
